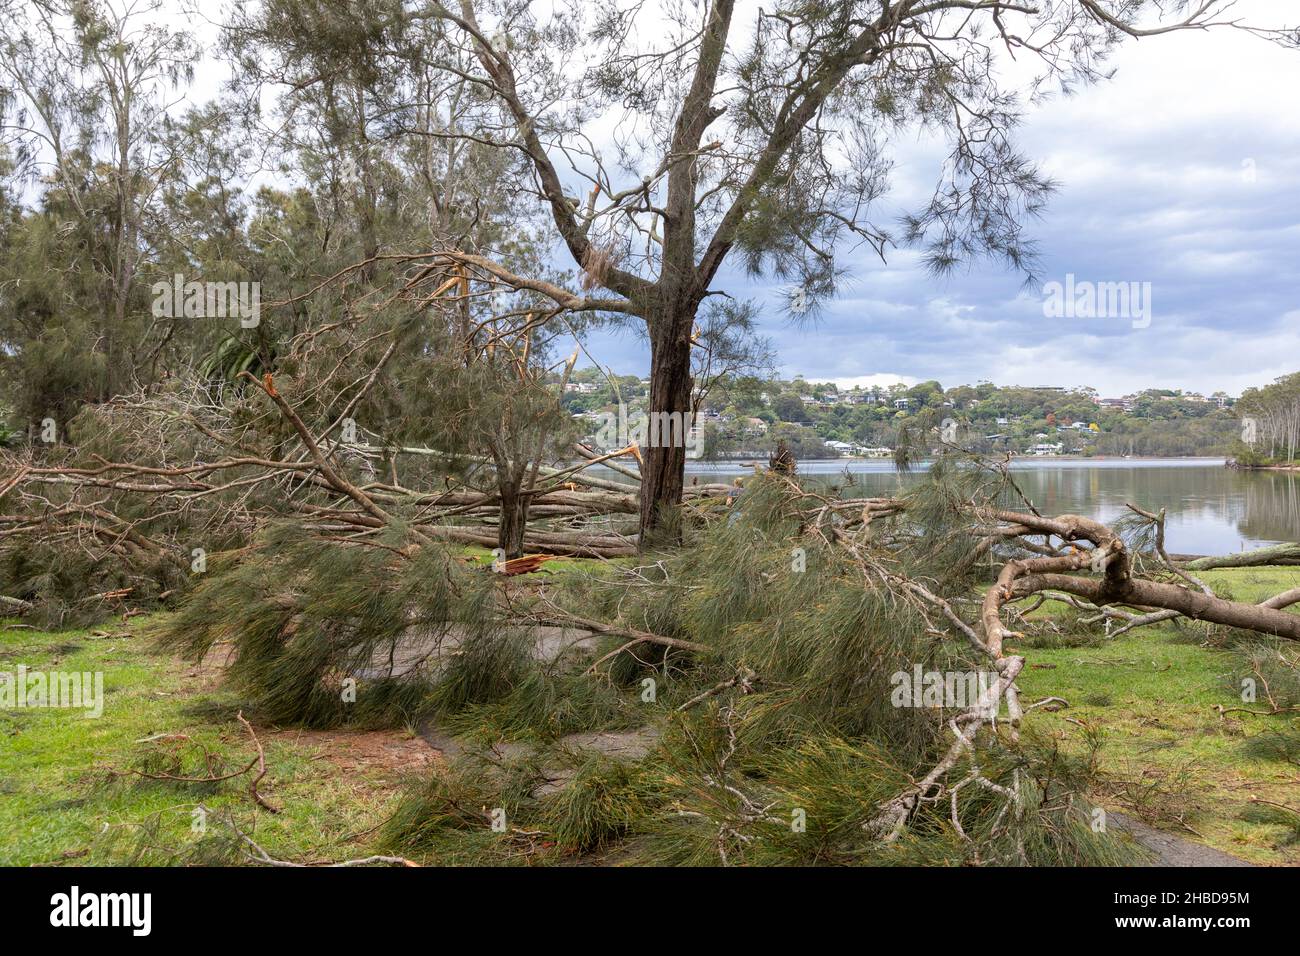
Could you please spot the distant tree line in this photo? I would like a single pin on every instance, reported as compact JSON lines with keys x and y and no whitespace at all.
{"x":1271,"y":421}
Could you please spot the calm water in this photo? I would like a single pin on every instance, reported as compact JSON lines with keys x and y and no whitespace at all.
{"x":1210,"y":509}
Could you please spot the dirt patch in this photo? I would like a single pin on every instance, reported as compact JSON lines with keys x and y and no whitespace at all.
{"x":367,"y":752}
{"x":206,"y":676}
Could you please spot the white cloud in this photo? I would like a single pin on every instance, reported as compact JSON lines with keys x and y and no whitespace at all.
{"x":878,"y":380}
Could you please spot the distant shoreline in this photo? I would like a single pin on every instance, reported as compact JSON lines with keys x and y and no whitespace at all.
{"x":744,"y":464}
{"x":1238,"y":465}
{"x":855,"y":458}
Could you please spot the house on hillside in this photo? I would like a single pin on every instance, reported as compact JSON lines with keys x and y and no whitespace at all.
{"x":1124,"y":404}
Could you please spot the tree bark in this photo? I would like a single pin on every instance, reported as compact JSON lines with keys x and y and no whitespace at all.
{"x":1261,"y":618}
{"x":664,"y":460}
{"x":513,"y":521}
{"x":1026,"y":576}
{"x":1277,"y":555}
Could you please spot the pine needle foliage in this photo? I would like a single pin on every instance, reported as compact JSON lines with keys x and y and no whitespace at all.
{"x":495,"y":688}
{"x":305,"y":617}
{"x":706,"y":797}
{"x":602,"y":802}
{"x":447,"y":817}
{"x":1273,"y":669}
{"x":326,"y":633}
{"x":792,"y":609}
{"x":790,"y":769}
{"x":776,"y":745}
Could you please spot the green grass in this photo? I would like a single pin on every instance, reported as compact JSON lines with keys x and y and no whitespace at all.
{"x":61,"y":800}
{"x":1151,"y":695}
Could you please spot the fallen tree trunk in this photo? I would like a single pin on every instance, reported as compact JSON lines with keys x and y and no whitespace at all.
{"x":590,"y":454}
{"x":569,"y":544}
{"x":1275,"y":555}
{"x":1115,"y":584}
{"x":1262,"y":618}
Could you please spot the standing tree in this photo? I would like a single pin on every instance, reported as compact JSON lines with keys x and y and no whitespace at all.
{"x":763,"y":132}
{"x":85,"y":86}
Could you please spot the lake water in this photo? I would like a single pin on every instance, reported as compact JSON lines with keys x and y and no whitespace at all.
{"x":1210,"y":509}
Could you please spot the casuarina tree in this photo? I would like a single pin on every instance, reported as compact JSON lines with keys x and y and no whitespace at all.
{"x":664,"y":139}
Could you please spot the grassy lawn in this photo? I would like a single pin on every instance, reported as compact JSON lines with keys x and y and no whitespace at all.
{"x":1151,"y":695}
{"x":60,"y":798}
{"x":66,"y":793}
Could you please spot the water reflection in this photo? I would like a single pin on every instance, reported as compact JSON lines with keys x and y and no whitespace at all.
{"x":1210,"y":509}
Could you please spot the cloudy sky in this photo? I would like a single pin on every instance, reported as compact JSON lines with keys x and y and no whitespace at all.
{"x":1183,"y":171}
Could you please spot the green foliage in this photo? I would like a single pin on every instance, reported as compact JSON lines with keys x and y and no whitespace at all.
{"x":789,"y":772}
{"x":799,"y":805}
{"x":496,"y":687}
{"x":990,"y":420}
{"x":824,"y":645}
{"x":1284,"y":818}
{"x":716,"y":792}
{"x":603,"y":800}
{"x":229,"y":358}
{"x":309,"y":621}
{"x":1271,"y":669}
{"x":447,"y":816}
{"x":1275,"y":409}
{"x":416,"y":637}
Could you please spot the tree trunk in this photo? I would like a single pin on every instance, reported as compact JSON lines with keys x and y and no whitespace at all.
{"x":1261,"y":618}
{"x":664,"y":460}
{"x":513,"y":521}
{"x":1276,"y":555}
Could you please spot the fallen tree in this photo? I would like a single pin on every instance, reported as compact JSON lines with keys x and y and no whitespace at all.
{"x":789,"y":608}
{"x":193,"y":479}
{"x":1281,"y":555}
